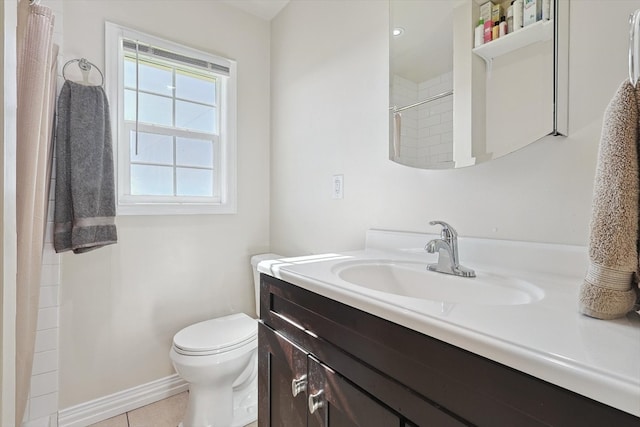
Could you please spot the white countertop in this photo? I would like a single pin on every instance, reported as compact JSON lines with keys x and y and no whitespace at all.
{"x":548,"y":339}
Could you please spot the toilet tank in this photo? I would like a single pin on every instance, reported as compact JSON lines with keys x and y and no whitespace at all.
{"x":255,"y":260}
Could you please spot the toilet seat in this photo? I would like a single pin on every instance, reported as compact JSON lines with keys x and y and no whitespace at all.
{"x":216,"y":336}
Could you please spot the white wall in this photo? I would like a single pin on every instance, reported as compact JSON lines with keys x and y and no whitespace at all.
{"x":121,"y":305}
{"x":329,"y":116}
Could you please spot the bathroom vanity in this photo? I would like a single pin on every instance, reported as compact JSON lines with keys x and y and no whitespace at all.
{"x":331,"y":353}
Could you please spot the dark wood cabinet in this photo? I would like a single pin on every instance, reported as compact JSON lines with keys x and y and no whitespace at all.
{"x":302,"y":391}
{"x":341,"y":404}
{"x":323,"y":363}
{"x":281,"y":364}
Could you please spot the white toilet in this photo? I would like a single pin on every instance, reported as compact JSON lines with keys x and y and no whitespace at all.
{"x":219,"y":360}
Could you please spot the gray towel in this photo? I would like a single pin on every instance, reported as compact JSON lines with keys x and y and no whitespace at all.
{"x":608,"y":288}
{"x":85,"y":197}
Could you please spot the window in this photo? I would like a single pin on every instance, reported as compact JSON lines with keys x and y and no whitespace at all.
{"x":174,"y":125}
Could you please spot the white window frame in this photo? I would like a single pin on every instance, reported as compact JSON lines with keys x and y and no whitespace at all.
{"x":223,"y":203}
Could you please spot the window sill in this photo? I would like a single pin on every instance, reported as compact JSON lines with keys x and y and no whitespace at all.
{"x":175,"y":209}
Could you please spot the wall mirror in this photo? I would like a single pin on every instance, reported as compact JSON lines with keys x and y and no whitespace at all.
{"x":454,"y":104}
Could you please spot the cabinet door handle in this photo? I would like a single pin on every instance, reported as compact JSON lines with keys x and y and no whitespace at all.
{"x":316,"y":401}
{"x":298,"y":385}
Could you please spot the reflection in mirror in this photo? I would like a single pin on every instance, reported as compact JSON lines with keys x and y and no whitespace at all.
{"x":422,"y":83}
{"x":453,"y":104}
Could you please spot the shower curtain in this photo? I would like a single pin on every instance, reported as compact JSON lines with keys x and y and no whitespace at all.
{"x":36,"y":100}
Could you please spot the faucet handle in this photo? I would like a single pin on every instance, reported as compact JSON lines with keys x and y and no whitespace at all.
{"x":447,"y":232}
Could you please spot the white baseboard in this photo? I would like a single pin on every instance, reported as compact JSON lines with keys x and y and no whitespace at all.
{"x":106,"y":407}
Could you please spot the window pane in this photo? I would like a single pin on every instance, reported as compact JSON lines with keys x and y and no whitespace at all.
{"x":129,"y":73}
{"x":194,"y":152}
{"x":195,"y":88}
{"x":154,"y":78}
{"x":152,"y":148}
{"x":196,"y":117}
{"x":155,"y":109}
{"x":130,"y":105}
{"x":151,"y":180}
{"x":194,"y":182}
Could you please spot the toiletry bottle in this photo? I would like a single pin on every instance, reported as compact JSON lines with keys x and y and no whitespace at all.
{"x":517,"y":14}
{"x":496,"y":12}
{"x":532,"y":12}
{"x":488,"y":31}
{"x":479,"y":34}
{"x":510,"y":19}
{"x":502,"y":27}
{"x":495,"y":31}
{"x":485,"y":11}
{"x":546,"y":10}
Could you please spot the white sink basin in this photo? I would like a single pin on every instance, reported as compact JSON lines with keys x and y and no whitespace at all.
{"x":413,"y":280}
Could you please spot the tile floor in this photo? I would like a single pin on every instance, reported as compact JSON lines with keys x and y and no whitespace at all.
{"x":165,"y":413}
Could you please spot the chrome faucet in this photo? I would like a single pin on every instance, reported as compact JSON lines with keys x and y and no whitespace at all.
{"x":447,"y":249}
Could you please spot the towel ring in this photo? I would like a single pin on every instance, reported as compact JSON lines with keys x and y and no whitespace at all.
{"x":85,"y":67}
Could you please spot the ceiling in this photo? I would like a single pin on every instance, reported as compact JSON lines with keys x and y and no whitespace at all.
{"x":265,"y":9}
{"x":425,"y":49}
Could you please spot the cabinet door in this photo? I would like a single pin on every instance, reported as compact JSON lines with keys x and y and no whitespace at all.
{"x":282,"y":376}
{"x":335,"y":402}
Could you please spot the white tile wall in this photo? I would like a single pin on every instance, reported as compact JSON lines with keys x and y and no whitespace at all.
{"x":427,"y":130}
{"x":43,"y":396}
{"x":42,"y":407}
{"x":47,"y":318}
{"x":46,"y":340}
{"x":45,"y":361}
{"x":42,"y":384}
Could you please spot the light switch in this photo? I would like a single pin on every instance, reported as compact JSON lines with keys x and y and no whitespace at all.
{"x":338,"y":186}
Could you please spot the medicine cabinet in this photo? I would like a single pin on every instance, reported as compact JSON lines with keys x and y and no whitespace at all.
{"x":453,"y":105}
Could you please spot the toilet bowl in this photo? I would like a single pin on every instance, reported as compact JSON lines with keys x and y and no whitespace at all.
{"x":218,"y":358}
{"x":212,"y":356}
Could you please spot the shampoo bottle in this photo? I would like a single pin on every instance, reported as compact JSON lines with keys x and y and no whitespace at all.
{"x":503,"y":27}
{"x":510,"y":19}
{"x":488,"y":31}
{"x":495,"y":31}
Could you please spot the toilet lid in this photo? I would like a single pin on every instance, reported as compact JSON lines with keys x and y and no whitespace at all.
{"x":217,"y":335}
